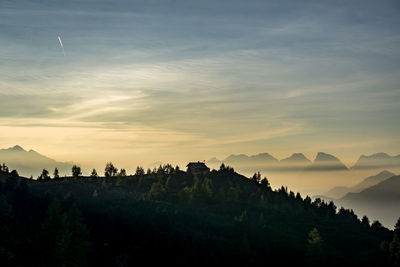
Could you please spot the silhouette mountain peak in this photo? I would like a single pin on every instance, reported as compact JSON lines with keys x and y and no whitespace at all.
{"x":16,"y":148}
{"x":321,"y":156}
{"x":379,"y":155}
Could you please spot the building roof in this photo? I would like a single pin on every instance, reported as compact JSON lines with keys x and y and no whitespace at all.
{"x":197,"y":165}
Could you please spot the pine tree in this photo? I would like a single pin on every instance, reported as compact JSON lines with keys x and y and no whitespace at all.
{"x":394,"y":246}
{"x":94,"y":173}
{"x":56,"y":174}
{"x":139,"y":171}
{"x":315,"y":253}
{"x":4,"y":168}
{"x":122,"y":173}
{"x":110,"y":170}
{"x":76,"y":171}
{"x":365,"y":221}
{"x":44,"y":175}
{"x":256,"y":177}
{"x":265,"y":183}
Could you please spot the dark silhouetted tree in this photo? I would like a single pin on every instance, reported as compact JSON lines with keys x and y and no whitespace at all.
{"x":14,"y":174}
{"x":4,"y":168}
{"x":76,"y":171}
{"x":139,"y":171}
{"x":256,"y":177}
{"x":365,"y":221}
{"x":376,"y":225}
{"x":265,"y":183}
{"x":222,"y":167}
{"x":394,"y":246}
{"x":94,"y":173}
{"x":315,"y":248}
{"x":44,"y":175}
{"x":56,"y":174}
{"x":110,"y":170}
{"x":122,"y":173}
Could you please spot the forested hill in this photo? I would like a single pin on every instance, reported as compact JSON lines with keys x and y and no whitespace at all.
{"x":171,"y":216}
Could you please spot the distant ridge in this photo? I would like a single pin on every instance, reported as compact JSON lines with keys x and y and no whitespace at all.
{"x":298,"y":162}
{"x":326,"y":162}
{"x":31,"y":163}
{"x":340,"y":191}
{"x":267,"y":162}
{"x":381,"y":201}
{"x":244,"y":159}
{"x":377,"y":161}
{"x":377,"y":196}
{"x":296,"y":158}
{"x":387,"y":189}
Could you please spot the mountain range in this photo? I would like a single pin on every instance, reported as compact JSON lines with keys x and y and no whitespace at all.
{"x":341,"y":191}
{"x":31,"y":163}
{"x":381,"y":201}
{"x":377,"y":196}
{"x":299,"y":162}
{"x":266,"y":162}
{"x":377,"y":160}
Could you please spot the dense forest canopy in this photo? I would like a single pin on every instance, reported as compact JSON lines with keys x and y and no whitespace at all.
{"x":186,"y":218}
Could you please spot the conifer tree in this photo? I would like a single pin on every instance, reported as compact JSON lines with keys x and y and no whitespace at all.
{"x":94,"y":173}
{"x":110,"y":170}
{"x":315,"y":248}
{"x":394,"y":246}
{"x":56,"y":174}
{"x":44,"y":175}
{"x":76,"y":171}
{"x":365,"y":221}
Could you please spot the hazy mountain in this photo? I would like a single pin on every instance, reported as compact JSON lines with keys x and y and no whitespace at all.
{"x":377,"y":161}
{"x":267,"y":163}
{"x":336,"y":192}
{"x":381,"y":201}
{"x":214,"y":160}
{"x":31,"y":162}
{"x":262,"y":158}
{"x":296,"y":158}
{"x":340,"y":191}
{"x":243,"y":161}
{"x":241,"y":158}
{"x":326,"y":162}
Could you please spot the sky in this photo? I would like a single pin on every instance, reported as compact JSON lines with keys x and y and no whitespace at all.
{"x":178,"y":80}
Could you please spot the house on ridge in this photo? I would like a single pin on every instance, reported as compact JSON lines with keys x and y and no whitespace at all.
{"x":197,"y":168}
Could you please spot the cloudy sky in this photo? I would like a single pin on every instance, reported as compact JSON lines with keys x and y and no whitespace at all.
{"x":178,"y":80}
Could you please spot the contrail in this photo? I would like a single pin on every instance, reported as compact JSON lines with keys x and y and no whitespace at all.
{"x":59,"y":39}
